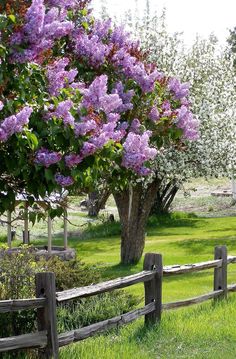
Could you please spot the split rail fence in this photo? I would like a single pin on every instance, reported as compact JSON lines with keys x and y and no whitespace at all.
{"x":47,"y":340}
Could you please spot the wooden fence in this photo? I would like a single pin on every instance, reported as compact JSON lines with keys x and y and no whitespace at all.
{"x":47,"y":340}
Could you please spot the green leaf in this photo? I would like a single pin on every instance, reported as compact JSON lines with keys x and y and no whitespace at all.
{"x":12,"y":18}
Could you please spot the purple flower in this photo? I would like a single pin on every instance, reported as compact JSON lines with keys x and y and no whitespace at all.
{"x":135,"y":126}
{"x":58,"y":77}
{"x":46,"y":158}
{"x":187,"y":123}
{"x":125,"y":96}
{"x":92,"y":49}
{"x":63,"y":111}
{"x":15,"y":123}
{"x":34,"y":21}
{"x":154,"y":114}
{"x":96,"y":96}
{"x":137,"y":151}
{"x":179,"y":90}
{"x":63,"y":181}
{"x":72,"y":160}
{"x":88,"y":149}
{"x":84,"y":127}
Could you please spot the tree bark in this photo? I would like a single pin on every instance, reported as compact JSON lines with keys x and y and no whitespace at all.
{"x":97,"y":201}
{"x":134,"y":207}
{"x":164,"y":198}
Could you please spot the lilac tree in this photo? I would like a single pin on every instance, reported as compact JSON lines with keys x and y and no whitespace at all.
{"x":79,"y":99}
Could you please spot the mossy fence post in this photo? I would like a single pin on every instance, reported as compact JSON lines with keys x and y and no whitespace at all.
{"x":153,"y":287}
{"x":220,"y":274}
{"x":47,"y":318}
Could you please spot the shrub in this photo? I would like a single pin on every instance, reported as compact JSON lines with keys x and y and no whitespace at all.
{"x":17,"y":273}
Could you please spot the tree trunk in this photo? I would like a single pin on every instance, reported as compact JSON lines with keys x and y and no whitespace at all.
{"x":134,"y":207}
{"x":97,"y":201}
{"x":164,"y":198}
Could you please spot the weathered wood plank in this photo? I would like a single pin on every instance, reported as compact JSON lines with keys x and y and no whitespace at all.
{"x":190,"y":301}
{"x":153,"y":287}
{"x":21,"y":304}
{"x":231,"y":259}
{"x":34,"y":340}
{"x":231,"y":288}
{"x":105,"y":286}
{"x":188,"y":268}
{"x":91,"y":330}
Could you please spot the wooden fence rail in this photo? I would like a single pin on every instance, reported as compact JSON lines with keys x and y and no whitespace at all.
{"x":47,"y":339}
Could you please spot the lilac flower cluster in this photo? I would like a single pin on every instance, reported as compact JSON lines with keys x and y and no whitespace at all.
{"x":66,"y":4}
{"x":154,"y":114}
{"x":96,"y":96}
{"x":46,"y":158}
{"x":187,"y":123}
{"x":179,"y":90}
{"x":125,"y":96}
{"x":40,"y":31}
{"x":73,"y":159}
{"x":85,"y":126}
{"x":58,"y":77}
{"x":91,"y":46}
{"x":14,"y":123}
{"x":137,"y":152}
{"x":100,"y":43}
{"x":63,"y":181}
{"x":63,"y":111}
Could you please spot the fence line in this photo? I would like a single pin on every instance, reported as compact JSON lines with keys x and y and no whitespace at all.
{"x":47,"y":339}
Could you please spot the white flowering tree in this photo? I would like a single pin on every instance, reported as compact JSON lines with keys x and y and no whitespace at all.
{"x":209,"y":71}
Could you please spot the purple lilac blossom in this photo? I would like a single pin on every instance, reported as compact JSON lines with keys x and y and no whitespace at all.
{"x":135,"y":69}
{"x":88,"y":149}
{"x":15,"y":123}
{"x":101,"y":28}
{"x":125,"y":96}
{"x":39,"y":32}
{"x":92,"y":49}
{"x":63,"y":111}
{"x":137,"y":151}
{"x":87,"y":125}
{"x":135,"y":126}
{"x":72,"y":160}
{"x":179,"y":90}
{"x":58,"y":77}
{"x":46,"y":158}
{"x":96,"y":96}
{"x":63,"y":181}
{"x":154,"y":114}
{"x":187,"y":123}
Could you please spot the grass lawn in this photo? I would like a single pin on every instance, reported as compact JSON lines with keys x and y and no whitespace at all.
{"x":202,"y":331}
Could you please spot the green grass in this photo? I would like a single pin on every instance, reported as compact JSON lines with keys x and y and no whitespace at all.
{"x":204,"y":331}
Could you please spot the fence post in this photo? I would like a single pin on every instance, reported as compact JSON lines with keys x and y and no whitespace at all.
{"x":153,"y":287}
{"x":47,"y":319}
{"x":220,"y":274}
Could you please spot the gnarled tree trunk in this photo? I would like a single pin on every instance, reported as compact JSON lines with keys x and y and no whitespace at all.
{"x":97,"y":201}
{"x":164,"y":198}
{"x":134,"y":207}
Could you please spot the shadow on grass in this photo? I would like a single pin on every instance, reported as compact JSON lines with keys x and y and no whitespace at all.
{"x":175,"y":219}
{"x":201,"y":246}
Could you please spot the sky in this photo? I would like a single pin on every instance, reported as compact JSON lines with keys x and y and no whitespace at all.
{"x":191,"y":17}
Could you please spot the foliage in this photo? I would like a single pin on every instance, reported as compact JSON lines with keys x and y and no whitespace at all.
{"x":77,"y":96}
{"x":17,"y":281}
{"x":94,"y":309}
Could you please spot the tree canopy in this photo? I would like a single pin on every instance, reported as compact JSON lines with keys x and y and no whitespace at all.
{"x":78,"y":96}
